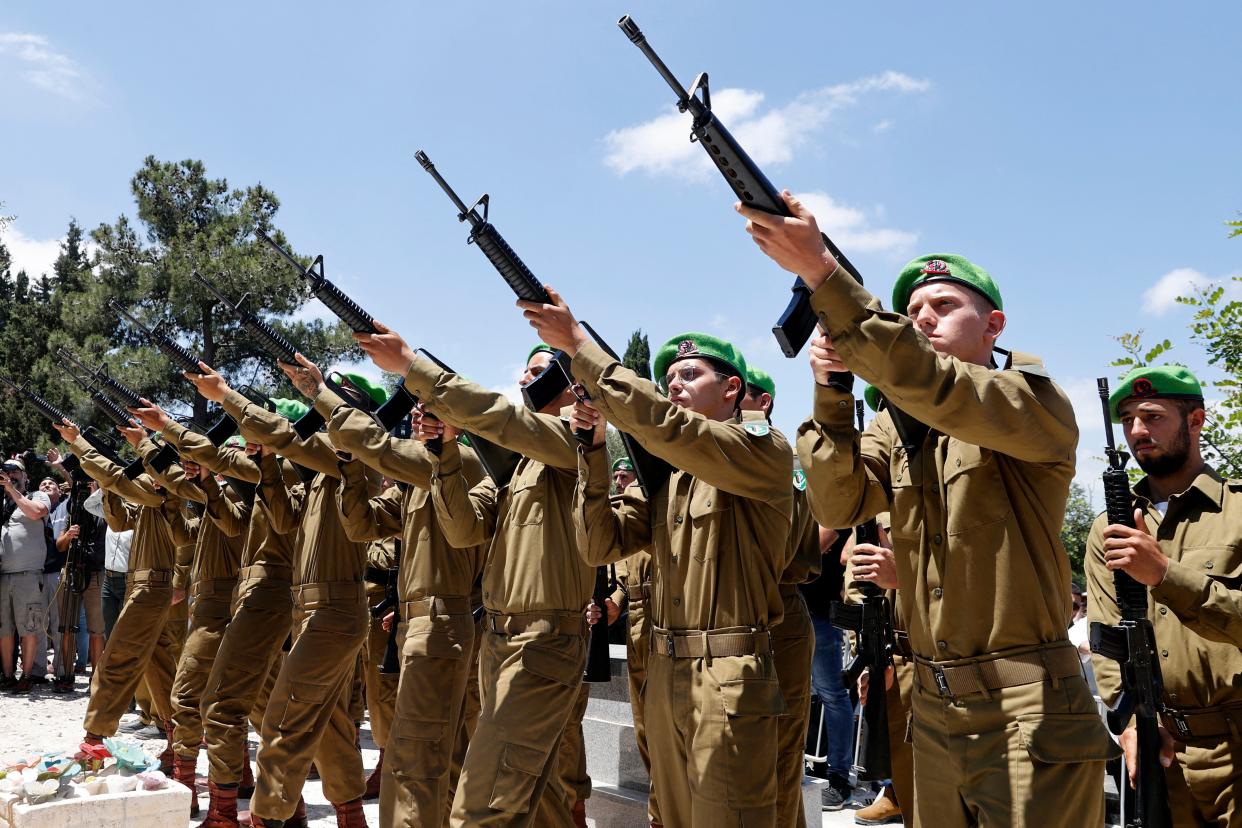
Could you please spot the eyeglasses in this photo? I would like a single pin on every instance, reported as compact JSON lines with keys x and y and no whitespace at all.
{"x":685,"y":374}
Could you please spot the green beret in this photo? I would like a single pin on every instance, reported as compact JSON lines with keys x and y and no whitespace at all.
{"x":699,"y":346}
{"x":762,"y":380}
{"x":537,"y":349}
{"x":375,"y":392}
{"x":236,"y":441}
{"x":1155,"y":381}
{"x":290,"y":409}
{"x":943,"y":267}
{"x":622,"y":463}
{"x":871,"y":395}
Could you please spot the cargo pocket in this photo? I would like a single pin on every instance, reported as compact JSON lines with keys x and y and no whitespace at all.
{"x":419,"y":753}
{"x":302,"y":707}
{"x":1065,"y":738}
{"x":561,"y":666}
{"x":751,"y":708}
{"x":36,"y":618}
{"x":516,"y":776}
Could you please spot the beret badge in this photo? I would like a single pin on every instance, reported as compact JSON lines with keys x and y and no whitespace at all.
{"x":1143,"y":388}
{"x":687,"y":346}
{"x":936,"y":267}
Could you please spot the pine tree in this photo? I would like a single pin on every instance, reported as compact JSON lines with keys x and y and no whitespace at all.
{"x":637,"y":355}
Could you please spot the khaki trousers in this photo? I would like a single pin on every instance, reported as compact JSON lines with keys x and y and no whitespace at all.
{"x":469,"y":717}
{"x":1027,"y":757}
{"x":308,"y":717}
{"x":244,"y":672}
{"x":793,"y":648}
{"x":571,"y":754}
{"x":639,"y":647}
{"x":1203,"y":785}
{"x":435,"y":665}
{"x":129,"y":651}
{"x":381,"y":687}
{"x":900,"y":750}
{"x":154,"y":693}
{"x":529,"y":684}
{"x":712,"y":731}
{"x":208,"y":619}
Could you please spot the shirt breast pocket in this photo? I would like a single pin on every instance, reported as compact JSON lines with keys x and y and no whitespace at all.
{"x":708,"y":513}
{"x":526,"y":501}
{"x":1218,"y":561}
{"x":906,"y":482}
{"x":975,"y":493}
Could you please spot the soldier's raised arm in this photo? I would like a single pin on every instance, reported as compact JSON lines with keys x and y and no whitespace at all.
{"x":608,"y":530}
{"x":366,"y":517}
{"x":111,"y":477}
{"x":172,"y":478}
{"x":467,"y":516}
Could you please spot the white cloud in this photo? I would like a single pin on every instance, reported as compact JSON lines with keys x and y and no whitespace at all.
{"x":661,"y":145}
{"x":853,"y":230}
{"x":882,"y":126}
{"x":33,"y":59}
{"x":34,"y":256}
{"x":1162,"y":296}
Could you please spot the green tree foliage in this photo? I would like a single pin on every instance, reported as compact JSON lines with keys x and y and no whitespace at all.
{"x":185,"y":222}
{"x":1079,"y":515}
{"x":637,"y":355}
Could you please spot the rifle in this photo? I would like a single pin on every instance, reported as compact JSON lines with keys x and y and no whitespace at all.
{"x":399,"y":403}
{"x":872,"y":621}
{"x":183,"y":361}
{"x":749,"y":183}
{"x":1132,"y":644}
{"x":392,"y":601}
{"x":110,"y":410}
{"x":123,"y":395}
{"x":94,"y":438}
{"x":75,"y":582}
{"x":599,"y":662}
{"x":498,"y":462}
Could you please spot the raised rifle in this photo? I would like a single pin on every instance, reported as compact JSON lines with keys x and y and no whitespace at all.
{"x":127,"y":397}
{"x":1132,"y":644}
{"x":872,"y":622}
{"x":110,"y":410}
{"x":183,"y":361}
{"x":400,"y":401}
{"x":95,"y":439}
{"x":748,"y":182}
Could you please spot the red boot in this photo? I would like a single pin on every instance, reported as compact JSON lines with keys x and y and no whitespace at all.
{"x":578,"y":813}
{"x":349,"y":814}
{"x":222,"y":810}
{"x":298,"y":820}
{"x":373,"y":781}
{"x":168,"y":759}
{"x":246,"y":789}
{"x":183,"y":772}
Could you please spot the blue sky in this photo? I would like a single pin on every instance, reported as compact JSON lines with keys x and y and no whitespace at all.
{"x":1085,"y":154}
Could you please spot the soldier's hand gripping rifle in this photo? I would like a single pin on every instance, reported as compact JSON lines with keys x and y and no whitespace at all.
{"x":748,"y":182}
{"x":93,"y":438}
{"x":872,"y":623}
{"x":400,"y":401}
{"x":183,"y":361}
{"x":109,"y":409}
{"x":1132,"y":644}
{"x":125,"y":396}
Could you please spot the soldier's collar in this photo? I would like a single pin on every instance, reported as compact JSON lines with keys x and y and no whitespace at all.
{"x":1208,"y":482}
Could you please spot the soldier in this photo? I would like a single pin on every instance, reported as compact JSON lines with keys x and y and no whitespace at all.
{"x":535,"y":586}
{"x":213,"y":579}
{"x":309,"y":716}
{"x":1188,"y":550}
{"x":131,"y":649}
{"x":793,"y":639}
{"x":717,"y":533}
{"x":437,"y":627}
{"x":381,"y":687}
{"x":1005,"y":729}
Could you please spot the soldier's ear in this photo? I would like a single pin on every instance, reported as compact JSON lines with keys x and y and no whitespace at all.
{"x":996,"y":324}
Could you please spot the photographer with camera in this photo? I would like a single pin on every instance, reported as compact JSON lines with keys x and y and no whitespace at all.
{"x":23,"y":550}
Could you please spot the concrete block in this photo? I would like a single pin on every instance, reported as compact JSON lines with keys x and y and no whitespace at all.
{"x":611,"y":807}
{"x":133,"y":809}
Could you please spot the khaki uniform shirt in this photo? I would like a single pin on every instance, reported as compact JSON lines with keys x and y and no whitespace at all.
{"x":977,"y":512}
{"x":430,"y":565}
{"x":153,"y":545}
{"x":804,"y":559}
{"x":533,"y":563}
{"x":1196,"y":611}
{"x":718,"y":531}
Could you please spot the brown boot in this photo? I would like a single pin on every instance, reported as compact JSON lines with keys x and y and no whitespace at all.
{"x":373,"y":781}
{"x":349,"y":814}
{"x":168,"y":759}
{"x":578,"y":813}
{"x":222,"y":809}
{"x":883,"y":810}
{"x":183,"y":772}
{"x":245,"y":790}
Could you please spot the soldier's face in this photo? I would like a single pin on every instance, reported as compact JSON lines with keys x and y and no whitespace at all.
{"x":537,"y":365}
{"x":697,"y":385}
{"x":622,"y":478}
{"x":958,"y":321}
{"x":1159,"y":434}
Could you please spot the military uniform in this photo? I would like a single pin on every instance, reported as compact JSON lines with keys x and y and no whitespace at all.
{"x":535,"y":589}
{"x":1196,"y":613}
{"x":1005,"y":729}
{"x":717,"y":535}
{"x":308,"y":716}
{"x":381,"y":688}
{"x":634,"y":585}
{"x":131,"y":645}
{"x":437,"y":628}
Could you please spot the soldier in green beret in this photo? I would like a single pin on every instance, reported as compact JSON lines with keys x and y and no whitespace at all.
{"x":1006,"y":731}
{"x":717,"y":534}
{"x":623,"y":473}
{"x":793,"y":639}
{"x":1188,"y":550}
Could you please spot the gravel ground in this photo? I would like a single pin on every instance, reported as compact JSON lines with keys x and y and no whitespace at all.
{"x":45,"y":721}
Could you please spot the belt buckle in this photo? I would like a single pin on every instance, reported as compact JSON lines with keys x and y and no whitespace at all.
{"x":1179,"y":719}
{"x":671,"y":646}
{"x":942,"y":682}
